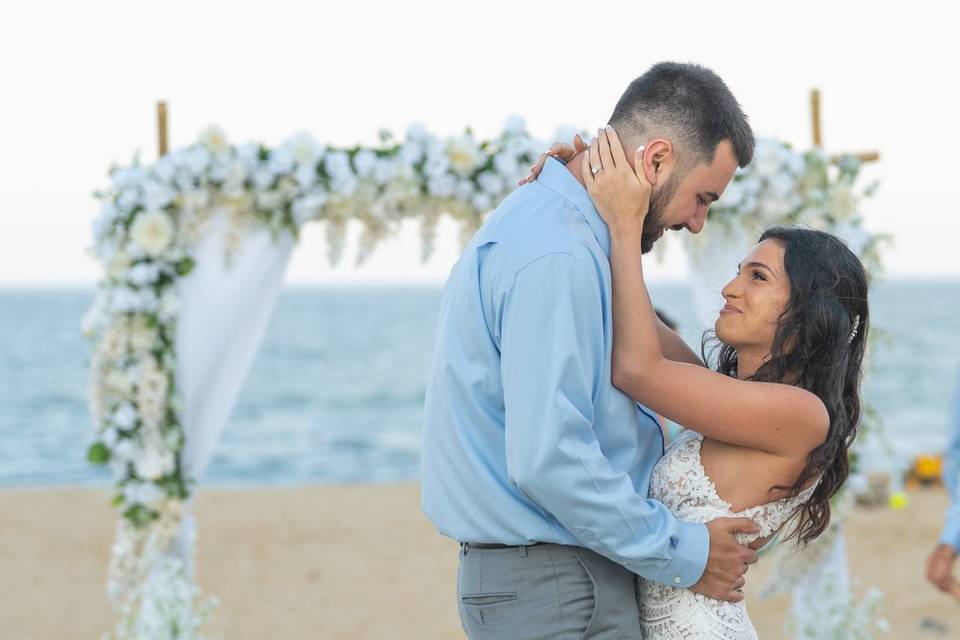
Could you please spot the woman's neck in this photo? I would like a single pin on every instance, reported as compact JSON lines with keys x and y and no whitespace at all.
{"x":748,"y":362}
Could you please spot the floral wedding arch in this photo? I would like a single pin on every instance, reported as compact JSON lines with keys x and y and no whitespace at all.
{"x":194,"y":248}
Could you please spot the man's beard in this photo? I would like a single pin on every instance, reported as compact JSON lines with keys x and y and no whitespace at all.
{"x":653,"y":228}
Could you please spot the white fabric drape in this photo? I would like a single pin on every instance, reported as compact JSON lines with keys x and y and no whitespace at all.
{"x":224,"y":311}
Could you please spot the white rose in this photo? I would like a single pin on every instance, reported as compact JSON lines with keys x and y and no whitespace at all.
{"x":337,"y":164}
{"x":303,"y":148}
{"x":152,"y":232}
{"x":118,"y":384}
{"x":464,"y":154}
{"x":156,"y":194}
{"x":197,"y":159}
{"x":411,"y":152}
{"x":154,"y":463}
{"x":281,"y":161}
{"x":215,"y":139}
{"x":365,"y":161}
{"x":464,"y":190}
{"x":263,"y":177}
{"x":125,"y":416}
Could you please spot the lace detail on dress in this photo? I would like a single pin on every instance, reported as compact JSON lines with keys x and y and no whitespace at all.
{"x":680,"y":482}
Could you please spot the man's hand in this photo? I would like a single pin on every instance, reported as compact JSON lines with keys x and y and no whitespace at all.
{"x":729,"y":560}
{"x":940,"y":570}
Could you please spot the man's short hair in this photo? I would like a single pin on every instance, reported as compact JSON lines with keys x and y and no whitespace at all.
{"x":690,"y":106}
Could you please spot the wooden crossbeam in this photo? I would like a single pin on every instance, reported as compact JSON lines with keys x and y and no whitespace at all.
{"x":817,"y":132}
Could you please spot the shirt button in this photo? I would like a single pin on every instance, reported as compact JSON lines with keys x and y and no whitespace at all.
{"x":677,"y":580}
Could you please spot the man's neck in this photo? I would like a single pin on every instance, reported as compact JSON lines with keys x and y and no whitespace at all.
{"x":575,"y":166}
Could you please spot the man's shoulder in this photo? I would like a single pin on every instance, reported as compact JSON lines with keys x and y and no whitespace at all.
{"x":535,"y":222}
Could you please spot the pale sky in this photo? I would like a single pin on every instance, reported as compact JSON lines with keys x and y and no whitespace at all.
{"x":80,"y":81}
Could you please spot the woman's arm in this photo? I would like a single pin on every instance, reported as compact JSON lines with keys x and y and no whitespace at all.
{"x":673,"y":346}
{"x":777,"y":418}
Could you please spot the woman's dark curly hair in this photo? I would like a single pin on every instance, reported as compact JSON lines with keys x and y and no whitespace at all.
{"x":812,"y":349}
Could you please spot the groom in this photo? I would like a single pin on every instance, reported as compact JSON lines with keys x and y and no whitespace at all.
{"x":532,"y":460}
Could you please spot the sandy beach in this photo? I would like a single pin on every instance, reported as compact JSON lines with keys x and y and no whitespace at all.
{"x":361,"y":562}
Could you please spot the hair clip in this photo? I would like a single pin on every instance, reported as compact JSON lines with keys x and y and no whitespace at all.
{"x":853,"y":332}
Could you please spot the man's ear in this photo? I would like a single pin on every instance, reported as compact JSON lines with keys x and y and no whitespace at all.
{"x":658,"y":160}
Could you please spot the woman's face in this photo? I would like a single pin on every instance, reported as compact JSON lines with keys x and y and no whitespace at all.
{"x":755,"y":299}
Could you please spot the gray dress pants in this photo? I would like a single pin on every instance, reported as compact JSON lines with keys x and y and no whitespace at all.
{"x":545,"y":592}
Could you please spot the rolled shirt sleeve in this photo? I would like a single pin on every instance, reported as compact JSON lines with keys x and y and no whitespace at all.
{"x":551,"y":338}
{"x":951,"y":473}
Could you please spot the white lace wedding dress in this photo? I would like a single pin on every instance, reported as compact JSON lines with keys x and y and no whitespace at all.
{"x":680,"y":482}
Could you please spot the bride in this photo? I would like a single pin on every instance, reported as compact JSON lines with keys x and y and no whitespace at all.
{"x":770,"y":429}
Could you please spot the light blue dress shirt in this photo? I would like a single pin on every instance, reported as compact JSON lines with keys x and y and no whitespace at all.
{"x":951,"y":474}
{"x":525,"y":438}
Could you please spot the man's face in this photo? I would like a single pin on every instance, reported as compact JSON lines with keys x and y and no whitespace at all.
{"x":681,"y":202}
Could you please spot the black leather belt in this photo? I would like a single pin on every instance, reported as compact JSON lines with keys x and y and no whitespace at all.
{"x":490,"y":545}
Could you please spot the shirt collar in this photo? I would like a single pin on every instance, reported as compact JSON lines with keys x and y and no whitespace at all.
{"x":557,"y":177}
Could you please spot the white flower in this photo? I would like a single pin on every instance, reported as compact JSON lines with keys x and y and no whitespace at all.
{"x":491,"y":183}
{"x":411,"y":152}
{"x":344,"y":185}
{"x":464,"y":154}
{"x":417,"y":131}
{"x":109,"y":437}
{"x":841,"y":202}
{"x":143,"y":337}
{"x":143,"y":274}
{"x":118,"y":384}
{"x":95,"y":318}
{"x":125,"y":416}
{"x":215,"y":139}
{"x":197,"y":159}
{"x":365,"y":161}
{"x":156,"y":194}
{"x":145,"y":493}
{"x":166,"y":168}
{"x":437,"y":164}
{"x":303,"y":148}
{"x":464,"y":190}
{"x":152,"y":232}
{"x":153,"y":463}
{"x":515,"y":125}
{"x":442,"y":186}
{"x":281,"y":161}
{"x":337,"y":164}
{"x":481,"y":202}
{"x":305,"y":176}
{"x":123,"y":451}
{"x":169,"y":305}
{"x":128,"y":177}
{"x":263,"y":177}
{"x":309,"y":206}
{"x":507,"y":165}
{"x":127,"y":199}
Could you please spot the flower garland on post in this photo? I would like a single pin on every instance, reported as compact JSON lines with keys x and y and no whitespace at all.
{"x":151,"y":218}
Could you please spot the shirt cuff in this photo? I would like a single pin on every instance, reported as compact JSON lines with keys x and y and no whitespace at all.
{"x":951,"y":534}
{"x":691,"y":550}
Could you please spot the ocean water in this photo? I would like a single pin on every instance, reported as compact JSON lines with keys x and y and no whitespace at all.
{"x":335,"y":392}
